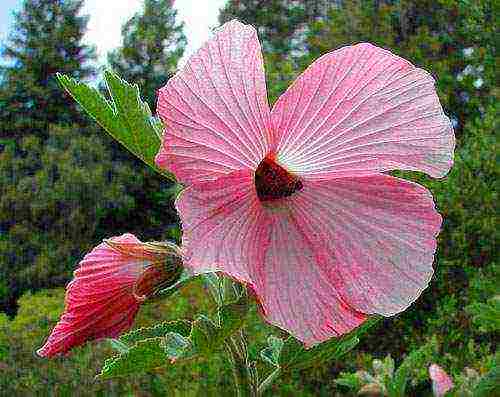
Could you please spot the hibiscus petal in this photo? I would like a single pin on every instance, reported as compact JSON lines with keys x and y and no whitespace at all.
{"x":77,"y":327}
{"x":99,"y":300}
{"x":297,"y":291}
{"x":215,"y":109}
{"x":378,"y":234}
{"x":361,"y":110}
{"x":226,"y":228}
{"x":441,"y":381}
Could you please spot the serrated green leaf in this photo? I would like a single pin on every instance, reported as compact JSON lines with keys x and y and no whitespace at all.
{"x":178,"y":347}
{"x":271,"y":354}
{"x":204,"y":335}
{"x":294,"y":355}
{"x":489,"y":384}
{"x":125,"y":117}
{"x":145,"y":355}
{"x":181,"y":327}
{"x":118,"y":345}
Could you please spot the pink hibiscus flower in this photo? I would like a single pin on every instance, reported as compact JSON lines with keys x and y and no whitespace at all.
{"x":441,"y":382}
{"x":293,"y":201}
{"x":108,"y":287}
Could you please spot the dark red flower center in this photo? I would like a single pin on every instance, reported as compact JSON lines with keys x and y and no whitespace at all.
{"x":273,"y":182}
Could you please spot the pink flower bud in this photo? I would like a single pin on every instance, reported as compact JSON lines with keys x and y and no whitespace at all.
{"x":108,"y":287}
{"x":441,"y":381}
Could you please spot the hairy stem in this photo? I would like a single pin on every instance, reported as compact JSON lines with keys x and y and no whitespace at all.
{"x":268,"y":381}
{"x":244,"y":376}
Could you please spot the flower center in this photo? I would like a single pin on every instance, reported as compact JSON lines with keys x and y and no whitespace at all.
{"x":273,"y":182}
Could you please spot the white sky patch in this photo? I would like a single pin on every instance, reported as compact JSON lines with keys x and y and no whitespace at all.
{"x":108,"y":16}
{"x":105,"y":23}
{"x":199,"y":17}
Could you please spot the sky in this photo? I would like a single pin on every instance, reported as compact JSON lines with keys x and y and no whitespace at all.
{"x":107,"y":17}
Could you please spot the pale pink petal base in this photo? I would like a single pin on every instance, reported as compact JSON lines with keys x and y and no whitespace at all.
{"x":297,"y":287}
{"x":441,"y":381}
{"x":227,"y":229}
{"x":99,"y":300}
{"x":224,"y":228}
{"x":322,"y":259}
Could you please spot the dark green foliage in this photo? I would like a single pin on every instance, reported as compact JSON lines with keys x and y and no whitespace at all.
{"x":489,"y":384}
{"x":486,"y":316}
{"x":53,"y":199}
{"x":153,"y":43}
{"x":46,"y":40}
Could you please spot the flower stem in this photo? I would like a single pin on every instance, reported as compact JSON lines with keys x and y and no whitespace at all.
{"x":244,"y":376}
{"x":268,"y":381}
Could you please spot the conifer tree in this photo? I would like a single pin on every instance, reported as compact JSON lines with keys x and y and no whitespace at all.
{"x":60,"y":185}
{"x":153,"y":43}
{"x":47,"y":39}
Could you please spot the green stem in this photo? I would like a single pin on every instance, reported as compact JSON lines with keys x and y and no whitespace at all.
{"x":268,"y":381}
{"x":244,"y":372}
{"x":245,"y":385}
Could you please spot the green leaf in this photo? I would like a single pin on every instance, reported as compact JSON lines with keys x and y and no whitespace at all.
{"x":118,"y":345}
{"x":419,"y":358}
{"x":489,"y":384}
{"x":486,"y":316}
{"x":349,"y":380}
{"x":125,"y":117}
{"x":143,"y":356}
{"x":295,"y":355}
{"x":214,"y":285}
{"x":178,"y":347}
{"x":184,"y":279}
{"x":232,"y":316}
{"x":208,"y":336}
{"x":181,"y":327}
{"x":204,"y":335}
{"x":271,"y":354}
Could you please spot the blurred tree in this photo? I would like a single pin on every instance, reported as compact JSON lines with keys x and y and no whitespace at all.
{"x":47,"y":38}
{"x":454,"y":39}
{"x":65,"y":185}
{"x":53,"y":198}
{"x":153,"y":43}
